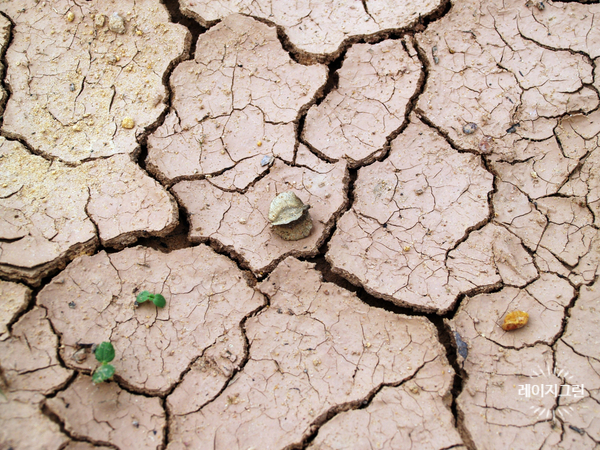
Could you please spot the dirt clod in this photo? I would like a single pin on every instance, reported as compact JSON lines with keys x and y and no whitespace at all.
{"x":116,"y":23}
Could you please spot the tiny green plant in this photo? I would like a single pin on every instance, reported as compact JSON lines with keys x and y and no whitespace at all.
{"x":157,"y":299}
{"x":105,"y":353}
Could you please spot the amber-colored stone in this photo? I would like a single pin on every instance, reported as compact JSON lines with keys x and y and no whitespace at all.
{"x":514,"y":320}
{"x":128,"y":123}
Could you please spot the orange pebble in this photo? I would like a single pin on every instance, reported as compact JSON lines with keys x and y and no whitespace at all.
{"x":514,"y":320}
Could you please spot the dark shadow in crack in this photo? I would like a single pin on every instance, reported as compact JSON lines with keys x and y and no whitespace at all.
{"x":177,"y":17}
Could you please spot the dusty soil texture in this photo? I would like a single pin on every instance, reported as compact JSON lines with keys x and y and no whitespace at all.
{"x":449,"y":155}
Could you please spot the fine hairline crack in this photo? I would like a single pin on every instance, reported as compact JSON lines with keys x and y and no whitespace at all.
{"x":327,"y":416}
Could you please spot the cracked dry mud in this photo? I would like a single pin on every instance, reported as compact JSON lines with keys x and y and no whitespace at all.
{"x":449,"y":152}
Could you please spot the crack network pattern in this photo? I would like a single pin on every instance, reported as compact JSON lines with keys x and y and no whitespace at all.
{"x":449,"y":153}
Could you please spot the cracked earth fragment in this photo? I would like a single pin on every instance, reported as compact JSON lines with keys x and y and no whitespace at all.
{"x":15,"y":298}
{"x":105,"y":413}
{"x":545,"y":300}
{"x":376,"y":83}
{"x":236,"y":102}
{"x":561,"y":229}
{"x":512,"y":88}
{"x":589,"y":264}
{"x":491,"y":255}
{"x":30,"y":370}
{"x":540,"y":169}
{"x":51,"y":212}
{"x":577,"y":354}
{"x":581,"y":134}
{"x":409,"y":211}
{"x":73,"y":82}
{"x":513,"y":209}
{"x":498,"y":398}
{"x":493,"y":411}
{"x":238,"y":222}
{"x":582,"y":332}
{"x":412,"y":415}
{"x":316,"y":349}
{"x":317,"y":27}
{"x":570,"y":26}
{"x":92,"y":301}
{"x":490,"y":403}
{"x":569,"y":232}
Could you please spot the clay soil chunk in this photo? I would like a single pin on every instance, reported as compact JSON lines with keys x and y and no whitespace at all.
{"x":238,"y":222}
{"x":494,"y":400}
{"x":93,"y":301}
{"x":409,"y":211}
{"x":561,"y":229}
{"x":73,"y":80}
{"x":29,"y":358}
{"x":582,"y":333}
{"x":105,"y":413}
{"x":581,"y":134}
{"x":15,"y":298}
{"x":234,"y":104}
{"x":315,"y":349}
{"x":563,"y":26}
{"x":412,"y":415}
{"x":51,"y":212}
{"x":544,"y":300}
{"x":30,"y":369}
{"x":539,"y":169}
{"x":589,"y":264}
{"x":491,"y":255}
{"x":499,"y":397}
{"x":317,"y":27}
{"x":376,"y":83}
{"x":513,"y":209}
{"x":569,"y":232}
{"x":578,"y":354}
{"x":125,"y":203}
{"x":509,"y":86}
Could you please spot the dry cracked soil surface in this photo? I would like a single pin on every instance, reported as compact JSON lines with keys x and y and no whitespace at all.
{"x":449,"y":152}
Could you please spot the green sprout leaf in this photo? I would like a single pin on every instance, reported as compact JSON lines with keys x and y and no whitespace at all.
{"x":105,"y":353}
{"x":103,"y":373}
{"x":159,"y":301}
{"x":143,"y":296}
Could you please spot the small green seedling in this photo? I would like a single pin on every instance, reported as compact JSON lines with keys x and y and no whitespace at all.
{"x":105,"y":353}
{"x":157,"y":299}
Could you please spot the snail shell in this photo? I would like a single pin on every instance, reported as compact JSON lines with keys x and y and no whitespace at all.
{"x":286,"y":208}
{"x":289,"y":217}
